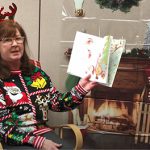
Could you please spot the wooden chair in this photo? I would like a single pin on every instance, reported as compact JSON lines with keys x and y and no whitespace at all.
{"x":77,"y":132}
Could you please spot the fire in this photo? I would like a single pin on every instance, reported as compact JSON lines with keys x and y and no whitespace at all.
{"x":112,"y":115}
{"x":111,"y":109}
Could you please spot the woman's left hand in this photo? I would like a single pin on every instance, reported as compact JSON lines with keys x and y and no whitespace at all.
{"x":87,"y":84}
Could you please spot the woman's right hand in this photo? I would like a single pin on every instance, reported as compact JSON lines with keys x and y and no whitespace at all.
{"x":50,"y":145}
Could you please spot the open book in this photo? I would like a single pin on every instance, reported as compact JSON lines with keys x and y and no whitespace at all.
{"x":97,"y":56}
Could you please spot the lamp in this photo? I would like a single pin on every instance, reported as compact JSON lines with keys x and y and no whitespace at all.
{"x":79,"y":8}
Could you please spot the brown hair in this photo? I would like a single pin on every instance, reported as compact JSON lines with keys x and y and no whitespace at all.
{"x":8,"y":29}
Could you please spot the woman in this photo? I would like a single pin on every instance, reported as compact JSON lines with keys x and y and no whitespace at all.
{"x":26,"y":93}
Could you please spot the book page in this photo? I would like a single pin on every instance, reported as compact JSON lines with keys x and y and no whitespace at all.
{"x":90,"y":55}
{"x":117,"y":48}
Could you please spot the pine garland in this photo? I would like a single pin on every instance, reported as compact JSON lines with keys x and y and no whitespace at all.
{"x":122,"y":5}
{"x":138,"y":52}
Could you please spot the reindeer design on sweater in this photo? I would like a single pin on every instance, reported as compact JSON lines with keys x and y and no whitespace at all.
{"x":43,"y":104}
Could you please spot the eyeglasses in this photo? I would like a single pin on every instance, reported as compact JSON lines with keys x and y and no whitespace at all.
{"x":9,"y":41}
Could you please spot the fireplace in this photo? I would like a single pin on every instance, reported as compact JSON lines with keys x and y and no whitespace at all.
{"x":121,"y":109}
{"x":112,"y":116}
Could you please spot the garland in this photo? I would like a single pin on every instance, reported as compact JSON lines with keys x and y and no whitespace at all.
{"x":122,"y":5}
{"x":138,"y":52}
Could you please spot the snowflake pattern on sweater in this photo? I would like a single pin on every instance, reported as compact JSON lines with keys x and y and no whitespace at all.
{"x":24,"y":104}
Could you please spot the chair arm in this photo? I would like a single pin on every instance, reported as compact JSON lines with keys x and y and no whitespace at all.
{"x":1,"y":147}
{"x":76,"y":131}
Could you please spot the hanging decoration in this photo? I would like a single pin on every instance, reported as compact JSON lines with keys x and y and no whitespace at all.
{"x":79,"y":8}
{"x":122,"y":5}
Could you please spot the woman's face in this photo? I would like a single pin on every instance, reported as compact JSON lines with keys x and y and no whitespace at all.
{"x":12,"y":51}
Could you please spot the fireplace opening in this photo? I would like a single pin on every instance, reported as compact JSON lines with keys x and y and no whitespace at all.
{"x":111,"y":115}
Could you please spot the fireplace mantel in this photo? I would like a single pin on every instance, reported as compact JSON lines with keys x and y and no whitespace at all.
{"x":130,"y":80}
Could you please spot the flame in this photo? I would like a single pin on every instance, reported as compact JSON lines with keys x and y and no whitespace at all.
{"x":111,"y":109}
{"x":112,"y":115}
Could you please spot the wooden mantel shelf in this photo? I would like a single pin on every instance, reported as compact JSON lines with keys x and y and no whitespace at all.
{"x":130,"y":79}
{"x":135,"y":64}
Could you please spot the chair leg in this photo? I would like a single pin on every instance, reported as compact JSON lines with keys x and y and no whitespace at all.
{"x":1,"y":147}
{"x":76,"y":131}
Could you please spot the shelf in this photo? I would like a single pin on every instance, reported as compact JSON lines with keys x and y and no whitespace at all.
{"x":84,"y":18}
{"x":100,"y":19}
{"x":127,"y":44}
{"x":66,"y":41}
{"x":64,"y":66}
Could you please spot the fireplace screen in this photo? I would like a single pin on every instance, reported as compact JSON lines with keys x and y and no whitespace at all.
{"x":110,"y":115}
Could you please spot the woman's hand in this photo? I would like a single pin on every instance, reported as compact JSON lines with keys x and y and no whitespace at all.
{"x":87,"y":84}
{"x":50,"y":145}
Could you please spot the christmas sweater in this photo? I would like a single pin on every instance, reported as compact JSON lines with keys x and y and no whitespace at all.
{"x":24,"y":104}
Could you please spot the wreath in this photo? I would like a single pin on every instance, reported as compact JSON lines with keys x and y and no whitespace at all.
{"x":122,"y":5}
